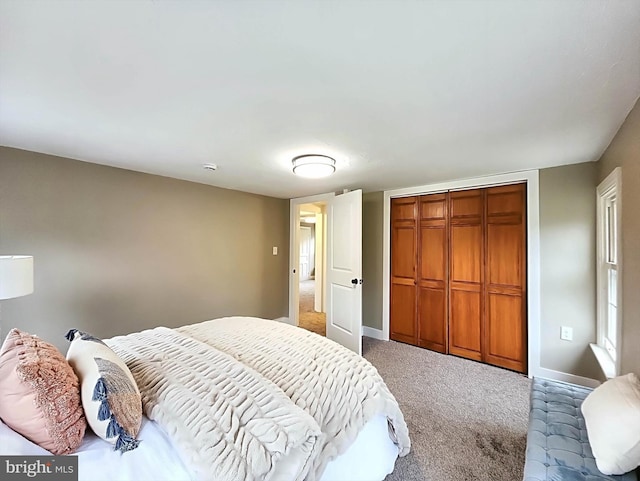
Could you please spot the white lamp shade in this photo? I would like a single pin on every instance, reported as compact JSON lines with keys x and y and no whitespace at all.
{"x":16,"y":276}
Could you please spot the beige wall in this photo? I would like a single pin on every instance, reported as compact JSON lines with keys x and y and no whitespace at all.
{"x":624,"y":151}
{"x":118,"y":251}
{"x":567,"y":268}
{"x":372,"y":231}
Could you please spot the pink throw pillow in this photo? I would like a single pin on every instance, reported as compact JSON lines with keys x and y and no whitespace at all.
{"x":40,"y":393}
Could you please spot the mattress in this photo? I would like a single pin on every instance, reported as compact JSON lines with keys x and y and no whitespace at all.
{"x":371,"y":457}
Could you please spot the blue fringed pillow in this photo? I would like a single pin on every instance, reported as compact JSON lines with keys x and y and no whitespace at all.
{"x":110,"y":398}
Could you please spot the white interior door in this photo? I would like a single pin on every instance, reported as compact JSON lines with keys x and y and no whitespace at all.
{"x":344,"y":270}
{"x":305,"y":253}
{"x":321,"y":243}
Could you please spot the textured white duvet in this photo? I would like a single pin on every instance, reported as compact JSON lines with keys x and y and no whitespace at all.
{"x":251,"y":399}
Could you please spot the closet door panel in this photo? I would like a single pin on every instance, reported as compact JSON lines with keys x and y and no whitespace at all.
{"x":404,"y":239}
{"x":466,"y":203}
{"x":504,"y":254}
{"x":403,"y":301}
{"x":433,"y":207}
{"x":505,"y":332}
{"x":466,"y":260}
{"x":505,"y":329}
{"x":403,"y":208}
{"x":432,"y":281}
{"x":403,"y":264}
{"x":507,"y":200}
{"x":433,"y":321}
{"x":466,"y":253}
{"x":433,"y":252}
{"x":464,"y":324}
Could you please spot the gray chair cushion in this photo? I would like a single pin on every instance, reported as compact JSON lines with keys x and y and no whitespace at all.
{"x":557,"y":443}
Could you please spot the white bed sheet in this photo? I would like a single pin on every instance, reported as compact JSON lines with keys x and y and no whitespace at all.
{"x":371,"y":457}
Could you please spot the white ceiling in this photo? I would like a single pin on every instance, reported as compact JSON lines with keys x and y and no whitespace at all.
{"x":400,"y":93}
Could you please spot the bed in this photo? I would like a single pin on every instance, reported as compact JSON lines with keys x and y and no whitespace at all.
{"x":242,"y":398}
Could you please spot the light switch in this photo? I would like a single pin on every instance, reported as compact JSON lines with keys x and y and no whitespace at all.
{"x":275,"y":251}
{"x":566,"y":333}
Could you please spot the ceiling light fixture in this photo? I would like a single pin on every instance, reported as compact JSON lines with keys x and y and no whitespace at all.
{"x":313,"y":166}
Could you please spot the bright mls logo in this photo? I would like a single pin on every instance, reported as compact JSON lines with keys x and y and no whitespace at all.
{"x":50,"y":468}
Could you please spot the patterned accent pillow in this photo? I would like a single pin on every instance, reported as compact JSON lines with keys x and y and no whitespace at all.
{"x":110,"y":396}
{"x":40,"y":393}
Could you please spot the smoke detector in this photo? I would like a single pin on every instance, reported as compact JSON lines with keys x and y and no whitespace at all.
{"x":209,"y":166}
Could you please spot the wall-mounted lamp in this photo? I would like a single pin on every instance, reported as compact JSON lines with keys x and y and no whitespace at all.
{"x":313,"y":166}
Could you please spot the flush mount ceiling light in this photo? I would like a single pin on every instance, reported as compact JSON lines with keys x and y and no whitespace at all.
{"x":313,"y":166}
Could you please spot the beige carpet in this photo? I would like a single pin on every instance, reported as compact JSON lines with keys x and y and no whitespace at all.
{"x":308,"y":318}
{"x":467,"y":421}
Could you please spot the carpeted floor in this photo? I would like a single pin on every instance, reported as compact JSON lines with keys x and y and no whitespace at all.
{"x":308,"y":318}
{"x":467,"y":420}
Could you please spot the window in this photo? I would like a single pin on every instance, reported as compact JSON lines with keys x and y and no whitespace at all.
{"x":609,"y":276}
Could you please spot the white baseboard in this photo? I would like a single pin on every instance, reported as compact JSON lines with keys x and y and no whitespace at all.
{"x":372,"y":332}
{"x":565,"y":377}
{"x":286,"y":320}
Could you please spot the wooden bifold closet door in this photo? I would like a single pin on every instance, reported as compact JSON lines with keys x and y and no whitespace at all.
{"x":505,"y":324}
{"x":458,"y":274}
{"x":432,"y":274}
{"x":404,"y":238}
{"x":467,"y":273}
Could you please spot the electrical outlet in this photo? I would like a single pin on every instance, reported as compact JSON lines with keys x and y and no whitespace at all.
{"x":566,"y":333}
{"x":275,"y":251}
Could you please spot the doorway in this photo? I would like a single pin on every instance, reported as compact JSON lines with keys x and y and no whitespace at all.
{"x":341,"y":270}
{"x":311,"y":267}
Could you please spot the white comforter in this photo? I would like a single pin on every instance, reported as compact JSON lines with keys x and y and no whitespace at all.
{"x":251,"y":399}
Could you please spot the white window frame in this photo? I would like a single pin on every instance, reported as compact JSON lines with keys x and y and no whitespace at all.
{"x":609,"y":258}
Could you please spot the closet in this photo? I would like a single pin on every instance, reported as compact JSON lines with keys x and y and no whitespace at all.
{"x":458,"y":273}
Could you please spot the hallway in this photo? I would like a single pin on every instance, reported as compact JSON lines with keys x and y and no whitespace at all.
{"x":309,"y":319}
